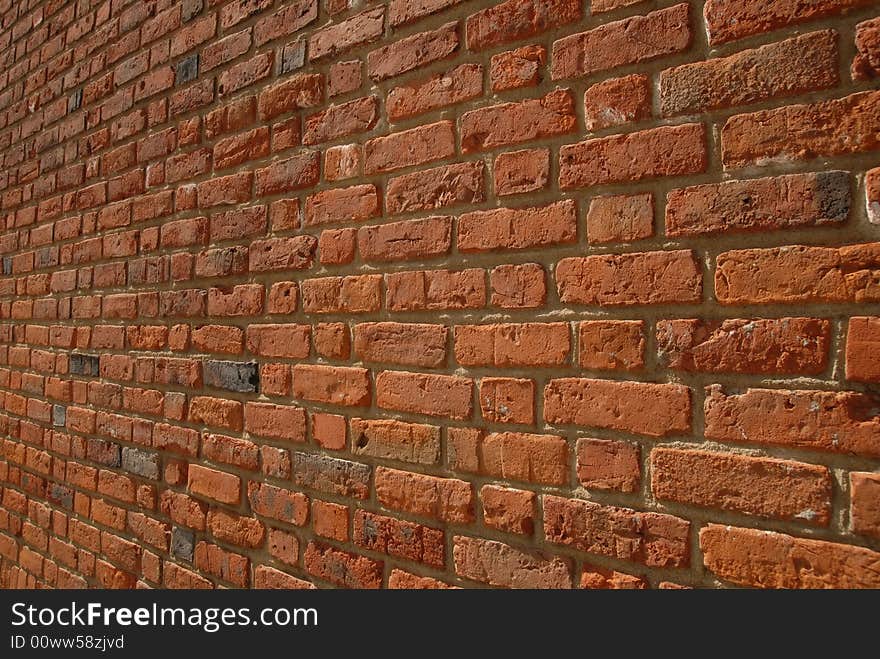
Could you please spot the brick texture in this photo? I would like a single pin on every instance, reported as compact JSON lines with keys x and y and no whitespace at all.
{"x":439,"y":294}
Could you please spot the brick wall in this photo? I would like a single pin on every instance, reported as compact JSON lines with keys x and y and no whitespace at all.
{"x":429,"y":293}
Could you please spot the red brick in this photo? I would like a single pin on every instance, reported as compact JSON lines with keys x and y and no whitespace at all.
{"x":225,"y":565}
{"x":435,"y":395}
{"x":866,"y":63}
{"x":864,"y":511}
{"x":412,"y":52}
{"x":764,"y":204}
{"x":595,"y":578}
{"x":344,"y":77}
{"x":337,"y":246}
{"x":441,"y":90}
{"x":334,"y":385}
{"x":284,"y":340}
{"x":338,"y":205}
{"x":410,"y":147}
{"x":518,"y":286}
{"x":629,"y":41}
{"x":798,"y":273}
{"x":217,"y":485}
{"x":611,"y":344}
{"x":606,"y":464}
{"x":330,"y":520}
{"x":435,"y":290}
{"x":620,"y":219}
{"x":763,"y":559}
{"x":518,"y":228}
{"x":342,"y":568}
{"x":728,"y":20}
{"x":525,"y":344}
{"x":654,"y":539}
{"x":517,"y":172}
{"x":408,"y":344}
{"x":357,"y":116}
{"x":401,"y":12}
{"x":837,"y":422}
{"x":237,"y":530}
{"x":650,"y":278}
{"x":836,"y":127}
{"x":236,"y":149}
{"x":498,"y":564}
{"x":439,"y":187}
{"x":787,"y":68}
{"x":216,"y":412}
{"x":446,"y":499}
{"x":507,"y":400}
{"x":784,"y":346}
{"x":517,"y":68}
{"x":395,"y":537}
{"x":396,"y":440}
{"x":339,"y":37}
{"x":757,"y":486}
{"x":400,"y":580}
{"x":275,"y":421}
{"x":862,"y":344}
{"x":508,"y":510}
{"x":352,"y":294}
{"x":663,"y":151}
{"x":513,"y":20}
{"x":301,"y":91}
{"x":295,"y":173}
{"x":523,"y":121}
{"x":407,"y":240}
{"x":617,"y":102}
{"x":643,"y":408}
{"x":277,"y":503}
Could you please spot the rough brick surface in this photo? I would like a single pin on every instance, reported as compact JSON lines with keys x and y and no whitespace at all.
{"x":437,"y":294}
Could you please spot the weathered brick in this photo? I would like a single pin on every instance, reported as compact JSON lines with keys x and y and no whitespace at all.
{"x":407,"y":240}
{"x":785,"y":346}
{"x":763,"y":559}
{"x":654,"y":539}
{"x":606,"y":464}
{"x":457,"y":85}
{"x":767,"y":487}
{"x":512,"y":20}
{"x":862,"y":343}
{"x":787,"y":68}
{"x":517,"y":228}
{"x":439,"y":187}
{"x":663,"y":151}
{"x":412,"y":52}
{"x":765,"y":204}
{"x":446,"y":499}
{"x":435,"y":395}
{"x":629,"y":41}
{"x":408,"y":344}
{"x":838,"y":422}
{"x":864,"y":511}
{"x":643,"y":408}
{"x":512,"y":344}
{"x":620,"y":219}
{"x":411,"y":147}
{"x":617,"y":102}
{"x":799,"y":273}
{"x":728,"y":20}
{"x":523,"y":121}
{"x":836,"y":127}
{"x":634,"y":278}
{"x":396,"y":440}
